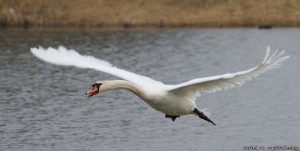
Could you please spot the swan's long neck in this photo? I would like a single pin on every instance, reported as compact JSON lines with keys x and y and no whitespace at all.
{"x":122,"y":84}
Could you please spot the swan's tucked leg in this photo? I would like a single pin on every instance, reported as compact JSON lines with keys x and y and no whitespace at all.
{"x":172,"y":117}
{"x":203,"y":116}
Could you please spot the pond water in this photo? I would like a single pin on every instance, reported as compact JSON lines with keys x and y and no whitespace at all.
{"x":44,"y":107}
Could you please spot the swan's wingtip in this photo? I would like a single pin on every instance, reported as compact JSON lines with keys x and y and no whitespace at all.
{"x":274,"y":56}
{"x":267,"y":53}
{"x":268,"y":48}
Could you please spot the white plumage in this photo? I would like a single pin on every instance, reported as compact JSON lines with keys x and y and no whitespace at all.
{"x":173,"y":100}
{"x":65,"y":57}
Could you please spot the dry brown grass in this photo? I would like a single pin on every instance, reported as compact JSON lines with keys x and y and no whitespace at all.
{"x":139,"y":13}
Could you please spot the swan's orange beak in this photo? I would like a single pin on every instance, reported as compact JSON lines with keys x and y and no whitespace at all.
{"x":94,"y":90}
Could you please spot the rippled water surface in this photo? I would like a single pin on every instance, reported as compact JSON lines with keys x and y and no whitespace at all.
{"x":43,"y":106}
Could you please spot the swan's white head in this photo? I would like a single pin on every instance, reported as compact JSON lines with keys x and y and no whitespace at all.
{"x":99,"y":86}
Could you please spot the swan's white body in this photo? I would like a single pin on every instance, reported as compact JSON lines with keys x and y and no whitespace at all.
{"x":173,"y":100}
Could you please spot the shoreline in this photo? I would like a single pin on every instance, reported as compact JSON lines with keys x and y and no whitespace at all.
{"x":100,"y":29}
{"x":84,"y":14}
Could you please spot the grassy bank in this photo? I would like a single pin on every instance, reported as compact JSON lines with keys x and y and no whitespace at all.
{"x":140,"y":13}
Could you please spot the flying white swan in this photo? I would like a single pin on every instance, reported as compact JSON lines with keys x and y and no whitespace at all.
{"x":172,"y":100}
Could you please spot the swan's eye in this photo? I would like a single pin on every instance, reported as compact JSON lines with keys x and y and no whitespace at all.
{"x":97,"y":85}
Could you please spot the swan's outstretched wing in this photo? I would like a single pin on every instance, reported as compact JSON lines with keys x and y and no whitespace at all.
{"x":193,"y":88}
{"x":65,"y":57}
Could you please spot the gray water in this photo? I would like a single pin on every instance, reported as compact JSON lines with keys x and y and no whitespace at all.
{"x":43,"y":106}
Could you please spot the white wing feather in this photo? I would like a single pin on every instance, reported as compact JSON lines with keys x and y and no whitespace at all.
{"x":65,"y":57}
{"x":193,"y":88}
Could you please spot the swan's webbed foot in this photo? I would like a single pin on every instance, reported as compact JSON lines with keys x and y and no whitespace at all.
{"x":173,"y":117}
{"x":203,"y":116}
